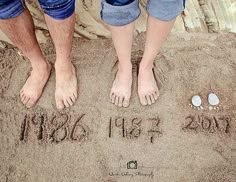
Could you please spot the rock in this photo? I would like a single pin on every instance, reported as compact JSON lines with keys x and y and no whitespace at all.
{"x":196,"y":101}
{"x":199,"y":16}
{"x":213,"y":99}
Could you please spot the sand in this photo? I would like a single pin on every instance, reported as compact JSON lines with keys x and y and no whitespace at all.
{"x":95,"y":141}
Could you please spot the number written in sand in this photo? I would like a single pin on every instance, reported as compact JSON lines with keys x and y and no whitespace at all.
{"x":210,"y":124}
{"x":54,"y":129}
{"x":134,"y":128}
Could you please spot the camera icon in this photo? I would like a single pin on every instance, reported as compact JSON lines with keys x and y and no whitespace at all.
{"x":132,"y":165}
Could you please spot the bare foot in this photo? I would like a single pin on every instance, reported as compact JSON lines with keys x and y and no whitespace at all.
{"x":34,"y":85}
{"x":121,"y":88}
{"x":147,"y":87}
{"x":66,"y":86}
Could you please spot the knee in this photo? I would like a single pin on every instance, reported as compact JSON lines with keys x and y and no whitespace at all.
{"x":58,"y":9}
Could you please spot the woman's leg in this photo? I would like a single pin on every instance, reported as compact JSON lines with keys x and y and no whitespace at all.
{"x":120,"y":15}
{"x":122,"y":37}
{"x":162,"y":15}
{"x":157,"y":32}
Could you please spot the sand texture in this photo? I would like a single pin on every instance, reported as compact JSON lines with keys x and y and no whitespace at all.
{"x":95,"y":141}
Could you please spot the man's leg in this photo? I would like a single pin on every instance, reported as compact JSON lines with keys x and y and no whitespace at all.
{"x":157,"y":32}
{"x":120,"y":15}
{"x":61,"y":23}
{"x":162,"y":15}
{"x":20,"y":30}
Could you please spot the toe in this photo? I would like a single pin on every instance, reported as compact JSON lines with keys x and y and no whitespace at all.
{"x":75,"y":95}
{"x":113,"y":98}
{"x":117,"y":100}
{"x":125,"y":102}
{"x":21,"y":94}
{"x":22,"y":97}
{"x":25,"y":100}
{"x":153,"y":98}
{"x":143,"y":100}
{"x":111,"y":95}
{"x":148,"y":100}
{"x":66,"y":103}
{"x":70,"y":102}
{"x":155,"y":95}
{"x":121,"y":99}
{"x":60,"y":104}
{"x":30,"y":103}
{"x":73,"y":98}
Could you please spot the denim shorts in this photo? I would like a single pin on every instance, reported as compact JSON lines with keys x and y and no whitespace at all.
{"x":57,"y":9}
{"x":123,"y":12}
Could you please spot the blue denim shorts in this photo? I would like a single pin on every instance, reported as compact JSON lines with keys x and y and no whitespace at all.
{"x":123,"y":12}
{"x":57,"y":9}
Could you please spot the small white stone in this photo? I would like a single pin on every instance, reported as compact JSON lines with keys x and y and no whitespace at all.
{"x":201,"y":108}
{"x":213,"y":99}
{"x":210,"y":108}
{"x":196,"y":101}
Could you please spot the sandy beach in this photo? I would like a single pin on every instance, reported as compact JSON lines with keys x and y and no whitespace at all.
{"x":95,"y":141}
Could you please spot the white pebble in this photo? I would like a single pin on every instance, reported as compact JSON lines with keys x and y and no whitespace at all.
{"x":196,"y":101}
{"x":213,"y":99}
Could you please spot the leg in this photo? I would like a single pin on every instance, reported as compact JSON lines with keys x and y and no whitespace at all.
{"x":120,"y":15}
{"x":157,"y":32}
{"x":20,"y":30}
{"x":162,"y":15}
{"x":61,"y":26}
{"x":122,"y":37}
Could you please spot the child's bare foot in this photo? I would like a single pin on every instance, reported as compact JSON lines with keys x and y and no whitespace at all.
{"x":147,"y":87}
{"x":33,"y":88}
{"x":66,"y":86}
{"x":121,"y":88}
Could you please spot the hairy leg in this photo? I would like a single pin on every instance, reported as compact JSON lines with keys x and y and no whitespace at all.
{"x":66,"y":81}
{"x":21,"y":32}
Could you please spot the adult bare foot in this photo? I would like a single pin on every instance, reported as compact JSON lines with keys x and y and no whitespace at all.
{"x":147,"y":86}
{"x":121,"y":88}
{"x":33,"y":88}
{"x":66,"y":86}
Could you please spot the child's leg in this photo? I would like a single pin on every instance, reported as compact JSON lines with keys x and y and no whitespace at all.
{"x":121,"y":20}
{"x":160,"y":22}
{"x":17,"y":23}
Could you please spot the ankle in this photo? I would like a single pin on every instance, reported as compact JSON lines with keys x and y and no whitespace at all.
{"x":145,"y":67}
{"x":125,"y":68}
{"x":41,"y":65}
{"x":67,"y":66}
